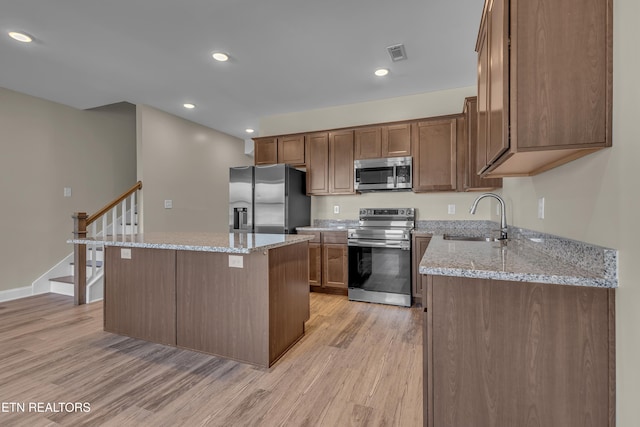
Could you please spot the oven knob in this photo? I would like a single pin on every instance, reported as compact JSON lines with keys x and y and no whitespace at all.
{"x":363,"y":211}
{"x":401,"y":211}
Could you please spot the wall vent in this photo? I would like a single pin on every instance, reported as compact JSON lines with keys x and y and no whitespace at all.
{"x":397,"y":52}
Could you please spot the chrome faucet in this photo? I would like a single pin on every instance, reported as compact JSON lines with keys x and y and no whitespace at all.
{"x":503,"y":212}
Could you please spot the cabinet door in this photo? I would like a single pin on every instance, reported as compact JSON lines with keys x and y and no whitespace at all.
{"x":368,"y":143}
{"x":480,"y":160}
{"x":341,"y":162}
{"x":317,"y":163}
{"x":266,"y":151}
{"x":334,"y":263}
{"x":396,"y":140}
{"x":434,"y":155}
{"x":420,"y":244}
{"x":498,"y":140}
{"x":467,"y":150}
{"x":291,"y":150}
{"x":315,"y":264}
{"x":503,"y":352}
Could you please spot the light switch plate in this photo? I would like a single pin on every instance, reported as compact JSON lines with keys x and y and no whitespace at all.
{"x":67,"y":191}
{"x":125,"y":253}
{"x":236,"y":261}
{"x":168,"y":204}
{"x":541,"y":208}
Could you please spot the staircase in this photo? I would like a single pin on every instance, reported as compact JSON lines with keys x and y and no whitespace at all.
{"x":116,"y":220}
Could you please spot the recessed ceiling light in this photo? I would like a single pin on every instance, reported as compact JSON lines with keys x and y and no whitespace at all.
{"x":189,"y":106}
{"x":21,"y":37}
{"x":249,"y":130}
{"x":381,"y":72}
{"x":219,"y":56}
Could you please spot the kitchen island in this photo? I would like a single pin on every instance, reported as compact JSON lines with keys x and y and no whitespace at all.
{"x":236,"y":295}
{"x":521,"y":333}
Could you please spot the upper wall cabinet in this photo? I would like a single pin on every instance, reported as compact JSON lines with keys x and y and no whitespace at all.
{"x":434,"y":155}
{"x":468,"y":178}
{"x":287,"y":149}
{"x":330,"y":163}
{"x":544,"y":84}
{"x":383,"y":141}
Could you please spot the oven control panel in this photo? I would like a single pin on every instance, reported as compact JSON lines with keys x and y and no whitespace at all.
{"x":396,"y":213}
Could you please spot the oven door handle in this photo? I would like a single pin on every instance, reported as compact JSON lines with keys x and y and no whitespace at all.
{"x":404,"y":245}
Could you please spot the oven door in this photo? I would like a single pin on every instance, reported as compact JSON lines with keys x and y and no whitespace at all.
{"x":380,"y":271}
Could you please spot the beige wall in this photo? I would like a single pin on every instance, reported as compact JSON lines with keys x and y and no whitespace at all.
{"x":429,"y":205}
{"x":46,"y":147}
{"x":188,"y":164}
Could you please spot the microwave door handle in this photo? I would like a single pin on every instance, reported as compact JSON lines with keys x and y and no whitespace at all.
{"x":395,"y":176}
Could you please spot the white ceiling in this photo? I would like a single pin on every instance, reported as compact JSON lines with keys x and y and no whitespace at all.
{"x":286,"y":55}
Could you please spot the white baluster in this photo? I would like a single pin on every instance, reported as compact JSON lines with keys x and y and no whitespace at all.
{"x":123,"y":219}
{"x":133,"y":212}
{"x":114,"y":222}
{"x":104,"y":226}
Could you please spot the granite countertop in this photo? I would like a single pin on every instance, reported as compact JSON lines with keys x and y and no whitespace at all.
{"x":242,"y":243}
{"x":525,"y":258}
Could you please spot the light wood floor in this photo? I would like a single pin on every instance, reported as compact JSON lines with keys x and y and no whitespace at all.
{"x":359,"y":364}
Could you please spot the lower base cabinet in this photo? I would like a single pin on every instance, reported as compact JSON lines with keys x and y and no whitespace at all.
{"x":499,"y":353}
{"x":418,"y":248}
{"x":328,"y":261}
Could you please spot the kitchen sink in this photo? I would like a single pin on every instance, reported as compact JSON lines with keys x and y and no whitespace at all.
{"x":469,"y":238}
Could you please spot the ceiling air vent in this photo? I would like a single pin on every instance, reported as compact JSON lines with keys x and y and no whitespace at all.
{"x":397,"y":52}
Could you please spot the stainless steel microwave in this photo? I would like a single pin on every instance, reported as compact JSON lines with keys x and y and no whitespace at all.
{"x":391,"y":173}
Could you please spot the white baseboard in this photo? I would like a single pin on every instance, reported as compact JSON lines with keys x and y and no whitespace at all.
{"x":11,"y":294}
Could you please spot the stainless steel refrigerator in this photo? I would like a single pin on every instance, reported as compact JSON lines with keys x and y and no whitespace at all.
{"x":268,"y":199}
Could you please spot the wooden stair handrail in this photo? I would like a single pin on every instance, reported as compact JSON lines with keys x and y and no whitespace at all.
{"x":80,"y":223}
{"x":108,"y":207}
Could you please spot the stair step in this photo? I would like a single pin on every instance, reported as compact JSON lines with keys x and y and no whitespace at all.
{"x":63,"y":279}
{"x":98,"y":263}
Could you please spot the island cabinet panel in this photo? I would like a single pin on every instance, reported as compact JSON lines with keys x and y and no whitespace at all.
{"x":224,"y":310}
{"x":288,"y":297}
{"x":140,"y":297}
{"x":500,"y":353}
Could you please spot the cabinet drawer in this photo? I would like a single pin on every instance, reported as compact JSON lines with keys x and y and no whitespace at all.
{"x":339,"y":237}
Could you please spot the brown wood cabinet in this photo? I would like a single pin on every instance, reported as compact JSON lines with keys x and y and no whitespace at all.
{"x":499,"y":353}
{"x":265,"y":151}
{"x":383,"y":141}
{"x":317,"y":148}
{"x":341,"y":162}
{"x":195,"y":300}
{"x":434,"y":154}
{"x":418,"y":248}
{"x":141,"y":302}
{"x":468,"y":178}
{"x":289,"y":149}
{"x":328,"y":257}
{"x":544,"y":84}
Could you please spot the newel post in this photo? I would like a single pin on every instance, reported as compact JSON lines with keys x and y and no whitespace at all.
{"x":79,"y":258}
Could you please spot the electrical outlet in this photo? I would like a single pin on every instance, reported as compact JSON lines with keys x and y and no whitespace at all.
{"x":67,"y":191}
{"x":451,"y":209}
{"x":541,"y":208}
{"x":336,"y":209}
{"x":236,"y":261}
{"x":168,"y":204}
{"x":125,"y":253}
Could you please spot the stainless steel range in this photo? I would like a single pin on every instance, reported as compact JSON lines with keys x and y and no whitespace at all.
{"x":380,"y":256}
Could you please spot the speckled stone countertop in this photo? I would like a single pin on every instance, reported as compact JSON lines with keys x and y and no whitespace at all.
{"x":528,"y":256}
{"x":329,"y":225}
{"x":242,"y":243}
